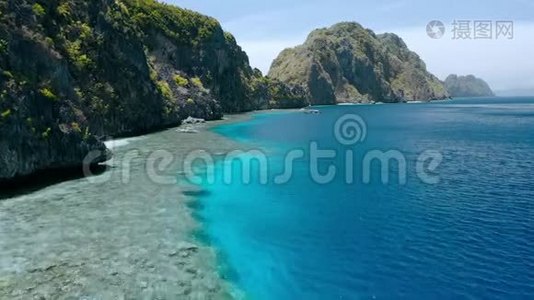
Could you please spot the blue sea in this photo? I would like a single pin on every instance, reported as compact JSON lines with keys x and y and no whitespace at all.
{"x":466,"y":231}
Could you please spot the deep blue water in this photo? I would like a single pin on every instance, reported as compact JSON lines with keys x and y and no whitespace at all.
{"x":469,"y":236}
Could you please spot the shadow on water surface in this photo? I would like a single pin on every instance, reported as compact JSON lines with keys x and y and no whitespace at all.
{"x":43,"y":179}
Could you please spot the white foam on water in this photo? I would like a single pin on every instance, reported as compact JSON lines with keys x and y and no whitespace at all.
{"x":114,"y":144}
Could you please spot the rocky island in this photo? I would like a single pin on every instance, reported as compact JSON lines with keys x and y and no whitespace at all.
{"x":349,"y":63}
{"x":467,"y":86}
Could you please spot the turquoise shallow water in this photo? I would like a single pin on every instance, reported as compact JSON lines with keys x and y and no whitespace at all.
{"x":469,"y":236}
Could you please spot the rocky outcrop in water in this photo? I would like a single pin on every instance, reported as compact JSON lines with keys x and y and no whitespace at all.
{"x":348,"y":63}
{"x":467,"y":86}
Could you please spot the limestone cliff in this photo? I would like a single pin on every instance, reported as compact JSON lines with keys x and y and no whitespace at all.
{"x":348,"y":63}
{"x":467,"y":86}
{"x":72,"y":71}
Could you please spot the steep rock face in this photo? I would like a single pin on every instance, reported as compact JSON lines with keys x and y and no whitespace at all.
{"x":75,"y":70}
{"x":197,"y":47}
{"x":271,"y":93}
{"x":348,"y":63}
{"x":37,"y":130}
{"x":29,"y":144}
{"x":467,"y":86}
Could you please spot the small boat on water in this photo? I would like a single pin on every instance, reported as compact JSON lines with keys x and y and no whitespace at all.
{"x":311,"y":111}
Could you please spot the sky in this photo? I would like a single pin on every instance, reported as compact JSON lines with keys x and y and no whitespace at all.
{"x":264,"y":28}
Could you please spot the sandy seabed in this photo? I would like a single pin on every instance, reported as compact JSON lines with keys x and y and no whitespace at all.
{"x":113,"y":239}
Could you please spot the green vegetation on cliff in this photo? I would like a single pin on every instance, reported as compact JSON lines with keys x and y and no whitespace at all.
{"x":80,"y":69}
{"x":348,"y":63}
{"x":467,"y":86}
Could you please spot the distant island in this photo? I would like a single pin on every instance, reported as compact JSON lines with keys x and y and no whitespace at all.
{"x":349,"y":63}
{"x":467,"y":86}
